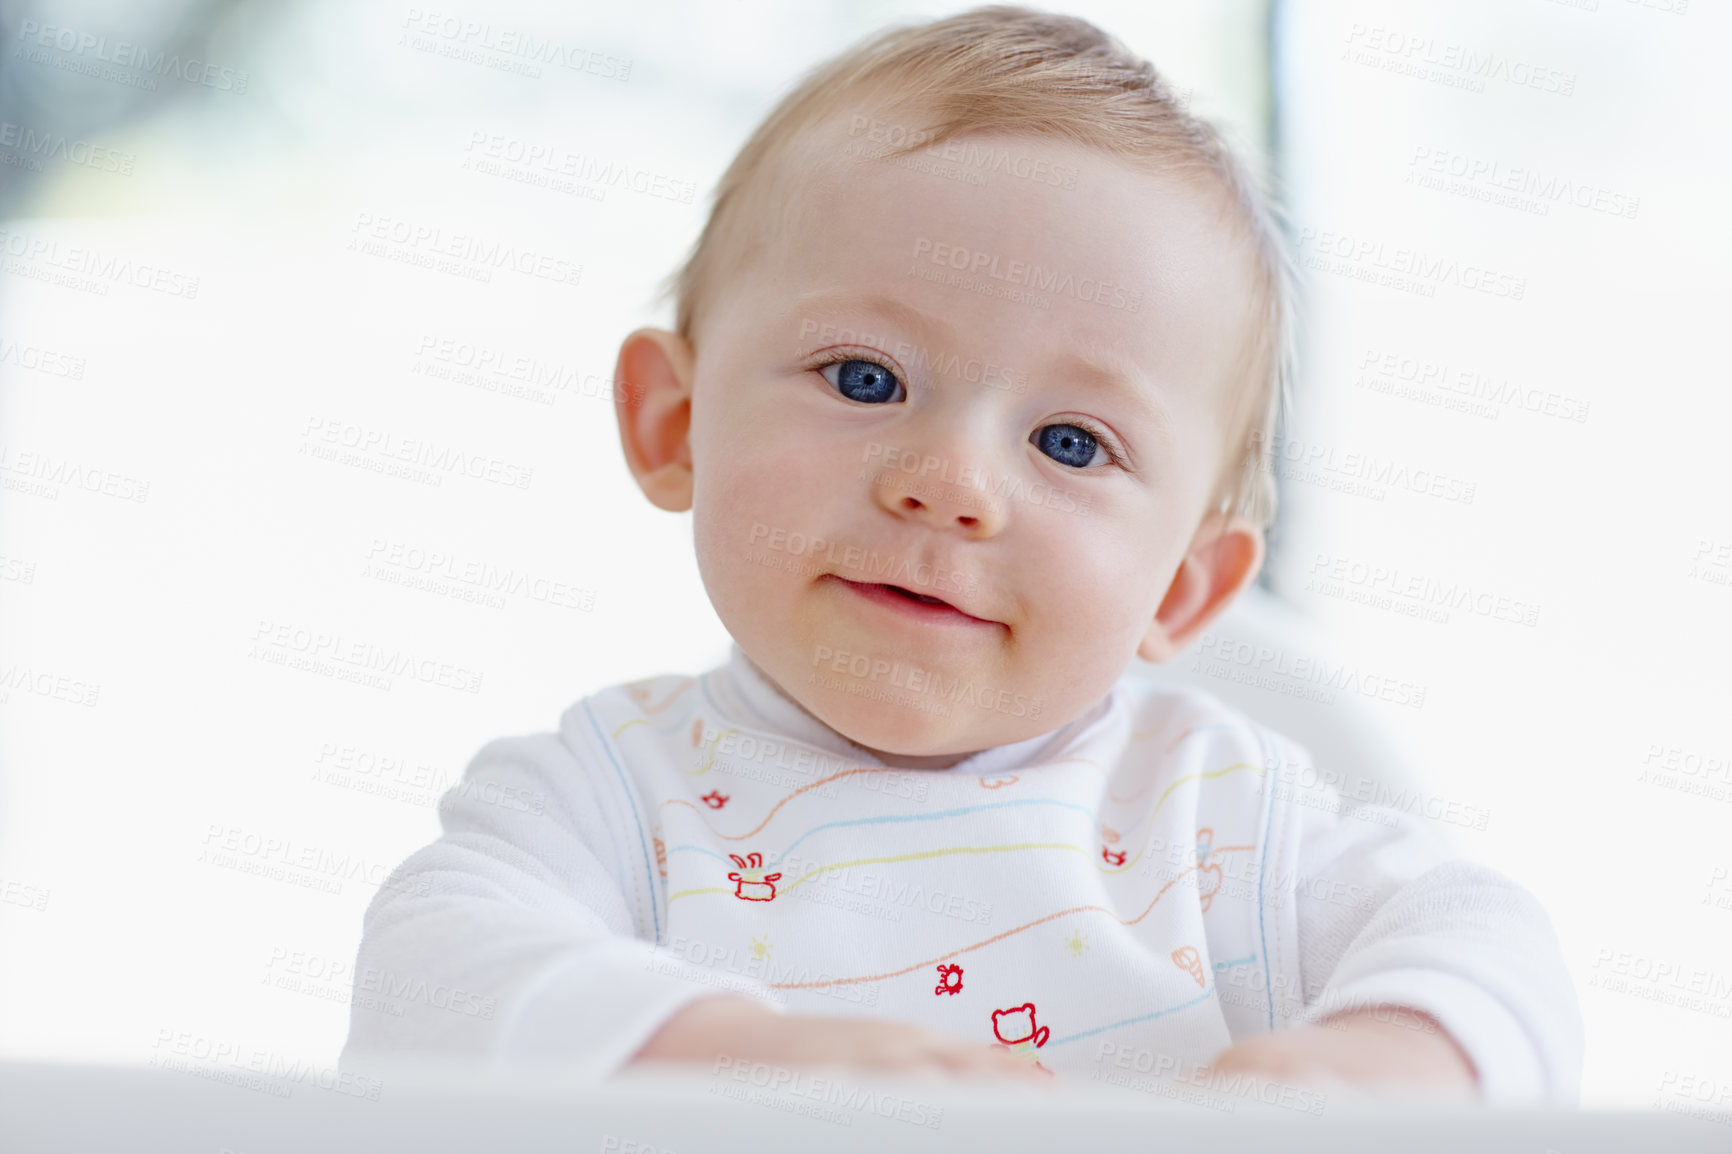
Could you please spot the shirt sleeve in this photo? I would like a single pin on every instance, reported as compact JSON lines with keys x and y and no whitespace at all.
{"x":1388,"y":914}
{"x":511,"y":937}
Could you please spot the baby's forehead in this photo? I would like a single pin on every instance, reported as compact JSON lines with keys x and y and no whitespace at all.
{"x":1017,"y":241}
{"x":1004,"y":191}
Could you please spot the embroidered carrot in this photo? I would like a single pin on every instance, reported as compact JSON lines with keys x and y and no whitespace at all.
{"x":1185,"y":957}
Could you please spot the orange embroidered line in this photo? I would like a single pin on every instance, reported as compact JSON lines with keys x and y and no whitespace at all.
{"x":671,"y":698}
{"x":751,"y":832}
{"x":1212,"y":852}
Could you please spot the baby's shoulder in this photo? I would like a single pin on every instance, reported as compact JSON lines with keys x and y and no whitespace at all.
{"x":588,"y":732}
{"x":1207,"y":757}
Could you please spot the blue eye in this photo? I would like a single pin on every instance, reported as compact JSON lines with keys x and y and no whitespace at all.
{"x":866,"y":381}
{"x":1067,"y":444}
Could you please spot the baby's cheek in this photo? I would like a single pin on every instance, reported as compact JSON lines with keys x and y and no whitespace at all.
{"x":1107,"y":582}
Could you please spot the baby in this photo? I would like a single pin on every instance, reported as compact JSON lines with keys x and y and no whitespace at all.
{"x":976,"y":361}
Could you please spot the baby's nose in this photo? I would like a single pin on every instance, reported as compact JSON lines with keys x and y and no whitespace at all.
{"x":943,"y":497}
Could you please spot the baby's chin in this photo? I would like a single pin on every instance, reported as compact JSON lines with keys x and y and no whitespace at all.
{"x":918,"y":730}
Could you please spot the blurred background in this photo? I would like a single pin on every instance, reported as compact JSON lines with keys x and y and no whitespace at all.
{"x":250,"y":260}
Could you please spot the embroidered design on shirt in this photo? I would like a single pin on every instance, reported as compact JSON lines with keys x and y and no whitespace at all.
{"x":761,"y":948}
{"x":661,"y":856}
{"x":1025,"y":1037}
{"x":1113,"y":857}
{"x":1077,"y":942}
{"x":761,"y":888}
{"x":1208,"y":874}
{"x":1109,"y":834}
{"x":1020,"y":1023}
{"x":998,"y":782}
{"x":715,"y":799}
{"x":641,"y":696}
{"x":1185,"y":957}
{"x":949,"y":980}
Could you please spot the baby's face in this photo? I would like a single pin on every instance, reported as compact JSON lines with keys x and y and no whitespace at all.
{"x":1008,"y":397}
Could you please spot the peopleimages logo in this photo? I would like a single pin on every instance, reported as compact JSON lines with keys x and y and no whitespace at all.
{"x":919,"y":682}
{"x":93,"y":51}
{"x":1026,"y":274}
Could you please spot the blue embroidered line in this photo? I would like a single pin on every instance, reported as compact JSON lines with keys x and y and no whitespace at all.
{"x":1262,"y":861}
{"x":1202,"y":997}
{"x":631,"y":796}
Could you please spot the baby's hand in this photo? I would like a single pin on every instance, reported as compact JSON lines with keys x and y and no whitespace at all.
{"x":741,"y":1029}
{"x":1395,"y":1053}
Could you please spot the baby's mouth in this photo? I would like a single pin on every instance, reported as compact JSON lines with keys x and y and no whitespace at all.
{"x":925,"y":606}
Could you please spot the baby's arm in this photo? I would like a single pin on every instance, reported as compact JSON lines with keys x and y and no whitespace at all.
{"x":1419,"y":971}
{"x":1392,"y":1050}
{"x":512,"y":937}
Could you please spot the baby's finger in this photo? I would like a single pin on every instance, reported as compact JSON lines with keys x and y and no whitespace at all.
{"x":997,"y":1062}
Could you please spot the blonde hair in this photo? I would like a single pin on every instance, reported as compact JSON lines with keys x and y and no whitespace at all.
{"x":1015,"y":70}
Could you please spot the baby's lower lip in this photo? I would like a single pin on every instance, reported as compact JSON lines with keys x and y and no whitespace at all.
{"x":937,"y":614}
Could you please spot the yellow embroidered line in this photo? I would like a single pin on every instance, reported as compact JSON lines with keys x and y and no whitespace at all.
{"x":714,"y":741}
{"x":932,"y":853}
{"x":1178,"y":782}
{"x":1181,"y":781}
{"x":982,"y":944}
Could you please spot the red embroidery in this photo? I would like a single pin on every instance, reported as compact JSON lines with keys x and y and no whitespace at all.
{"x":715,"y":799}
{"x":1020,"y":1022}
{"x":1185,"y":957}
{"x":763,"y":887}
{"x":1114,"y":857}
{"x":945,"y":984}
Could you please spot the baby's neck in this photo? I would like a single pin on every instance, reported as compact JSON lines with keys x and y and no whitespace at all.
{"x":893,"y":760}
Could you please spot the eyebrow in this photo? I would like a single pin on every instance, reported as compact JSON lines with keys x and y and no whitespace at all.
{"x":902,"y":313}
{"x":1100,"y":374}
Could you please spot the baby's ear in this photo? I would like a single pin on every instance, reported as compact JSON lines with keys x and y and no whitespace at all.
{"x":653,"y":401}
{"x":1224,"y":557}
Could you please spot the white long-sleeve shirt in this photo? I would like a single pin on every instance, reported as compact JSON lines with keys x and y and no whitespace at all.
{"x":1137,"y":889}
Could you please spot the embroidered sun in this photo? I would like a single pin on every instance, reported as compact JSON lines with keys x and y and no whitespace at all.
{"x":1077,"y":943}
{"x":761,"y":947}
